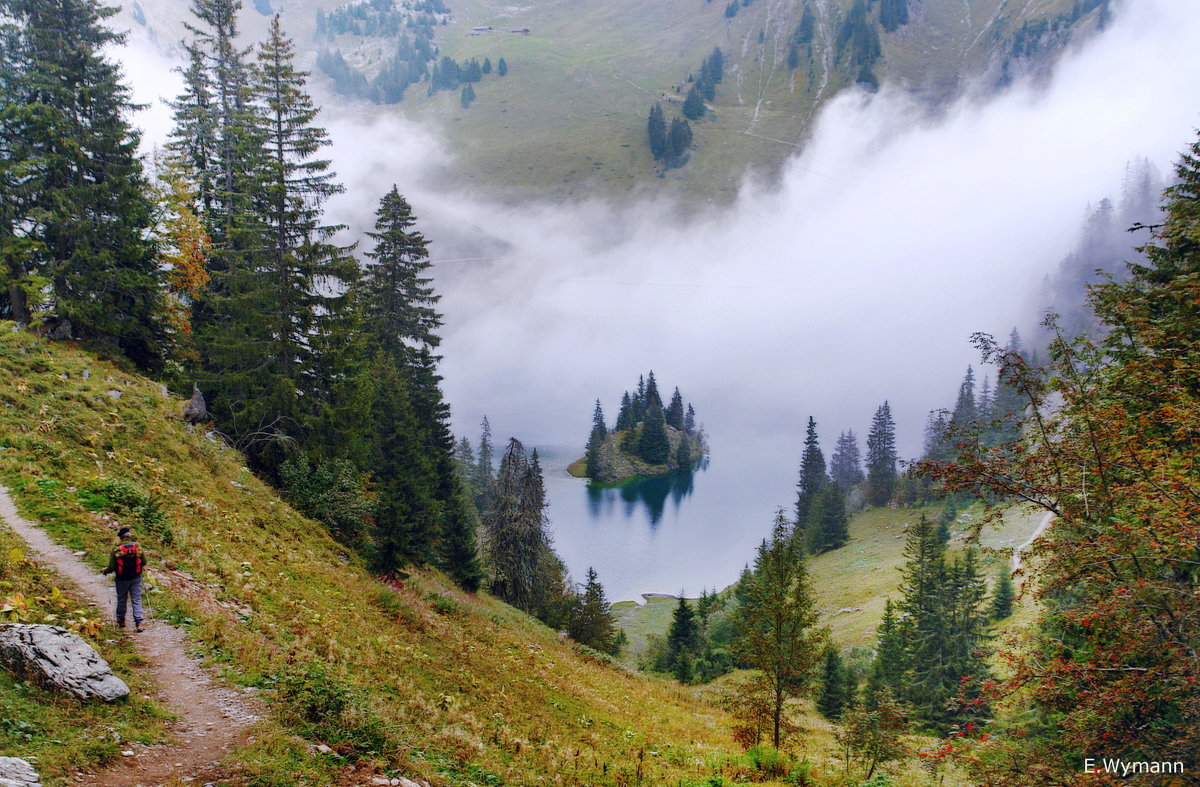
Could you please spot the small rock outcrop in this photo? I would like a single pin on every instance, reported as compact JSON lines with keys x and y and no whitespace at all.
{"x":195,"y":410}
{"x":58,"y":660}
{"x":15,"y":772}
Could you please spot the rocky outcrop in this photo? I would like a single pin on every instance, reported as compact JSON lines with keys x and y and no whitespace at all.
{"x":195,"y":410}
{"x":15,"y":772}
{"x":58,"y":660}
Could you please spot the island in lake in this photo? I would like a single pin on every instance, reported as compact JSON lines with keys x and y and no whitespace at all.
{"x":647,"y":439}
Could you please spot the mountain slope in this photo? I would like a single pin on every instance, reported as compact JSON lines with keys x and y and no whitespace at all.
{"x":569,"y":118}
{"x":415,"y":679}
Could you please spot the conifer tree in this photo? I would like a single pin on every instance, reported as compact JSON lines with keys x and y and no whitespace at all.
{"x":502,"y":67}
{"x":515,"y":538}
{"x":675,"y":412}
{"x":881,"y":457}
{"x":837,"y":691}
{"x":684,"y":641}
{"x":483,"y":481}
{"x":595,"y":441}
{"x":74,"y":212}
{"x":827,"y":522}
{"x":298,"y":264}
{"x":679,"y":140}
{"x":777,"y":622}
{"x":964,"y":406}
{"x":656,"y":129}
{"x":689,"y":420}
{"x":654,"y":446}
{"x":693,"y":105}
{"x":1002,"y":596}
{"x":812,"y":474}
{"x":845,"y":467}
{"x":625,"y":418}
{"x":887,"y":671}
{"x":591,"y":623}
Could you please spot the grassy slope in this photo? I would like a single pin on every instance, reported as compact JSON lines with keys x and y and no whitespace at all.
{"x":570,"y":117}
{"x":448,"y":686}
{"x":851,"y":584}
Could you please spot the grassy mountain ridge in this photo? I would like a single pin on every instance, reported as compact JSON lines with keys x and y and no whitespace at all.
{"x":412,"y":679}
{"x":569,"y":119}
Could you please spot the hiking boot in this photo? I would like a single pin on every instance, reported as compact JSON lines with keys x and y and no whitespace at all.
{"x":138,"y":628}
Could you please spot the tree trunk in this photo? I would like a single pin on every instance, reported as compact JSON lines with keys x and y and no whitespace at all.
{"x":16,"y":301}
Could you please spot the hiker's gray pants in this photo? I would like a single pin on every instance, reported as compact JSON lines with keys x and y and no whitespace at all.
{"x":133,"y":589}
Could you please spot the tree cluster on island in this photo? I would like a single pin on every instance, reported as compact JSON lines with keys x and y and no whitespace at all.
{"x":648,"y":437}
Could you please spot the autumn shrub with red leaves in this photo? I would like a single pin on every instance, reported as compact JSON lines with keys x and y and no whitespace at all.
{"x":1111,"y":447}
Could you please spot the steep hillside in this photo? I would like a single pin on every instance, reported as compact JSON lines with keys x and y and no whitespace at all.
{"x":569,"y":118}
{"x":412,"y":679}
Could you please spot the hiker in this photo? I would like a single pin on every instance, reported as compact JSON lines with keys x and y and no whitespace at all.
{"x":127,"y":562}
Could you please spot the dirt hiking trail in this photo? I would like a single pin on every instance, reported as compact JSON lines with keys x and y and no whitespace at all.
{"x":211,"y":719}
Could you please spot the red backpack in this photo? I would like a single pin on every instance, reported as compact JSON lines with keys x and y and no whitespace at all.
{"x":129,"y":561}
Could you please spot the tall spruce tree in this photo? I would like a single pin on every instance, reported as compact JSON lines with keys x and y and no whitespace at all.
{"x":595,"y":441}
{"x":591,"y":622}
{"x":74,"y":215}
{"x":656,"y":130}
{"x":828,"y":527}
{"x":777,"y":623}
{"x":845,"y":466}
{"x":837,"y":686}
{"x":515,"y":538}
{"x":684,"y":641}
{"x":1002,"y":595}
{"x":887,"y":672}
{"x":483,"y":481}
{"x":812,"y":474}
{"x":675,"y":411}
{"x":881,"y":457}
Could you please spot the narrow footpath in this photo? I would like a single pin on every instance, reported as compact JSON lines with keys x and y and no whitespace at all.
{"x":1045,"y":523}
{"x":211,"y":718}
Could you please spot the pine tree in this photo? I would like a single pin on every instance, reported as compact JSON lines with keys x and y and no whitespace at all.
{"x":656,"y":129}
{"x":777,"y":622}
{"x":515,"y":539}
{"x":679,"y":141}
{"x":964,"y":406}
{"x":502,"y":67}
{"x":595,"y":441}
{"x":836,"y":689}
{"x":684,"y":641}
{"x":625,"y":419}
{"x":881,"y":457}
{"x":74,"y":213}
{"x":887,"y":671}
{"x":298,"y":265}
{"x":828,"y":527}
{"x":845,"y":467}
{"x":1002,"y":596}
{"x":689,"y":420}
{"x":675,"y":413}
{"x":483,"y":482}
{"x":654,"y":446}
{"x":401,"y":305}
{"x":812,"y":474}
{"x":591,"y":623}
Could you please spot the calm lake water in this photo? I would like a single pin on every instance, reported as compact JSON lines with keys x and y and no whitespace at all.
{"x":683,"y":531}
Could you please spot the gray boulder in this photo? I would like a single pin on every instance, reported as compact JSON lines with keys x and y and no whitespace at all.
{"x":15,"y":772}
{"x":194,"y":409}
{"x":58,"y":660}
